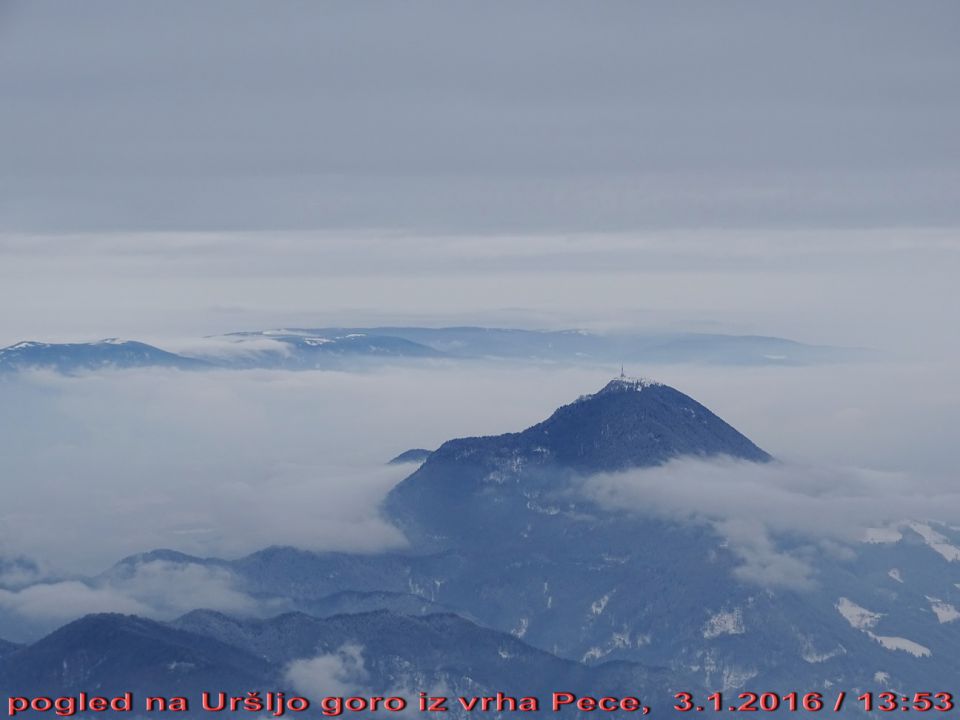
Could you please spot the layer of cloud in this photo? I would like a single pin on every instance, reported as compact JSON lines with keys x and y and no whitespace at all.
{"x":157,"y":589}
{"x":170,"y":589}
{"x":58,"y":602}
{"x":888,"y":289}
{"x":761,"y":509}
{"x":225,"y":463}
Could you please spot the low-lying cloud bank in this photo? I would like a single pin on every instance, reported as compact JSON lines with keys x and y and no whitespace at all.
{"x":157,"y":589}
{"x":761,"y":509}
{"x":106,"y":465}
{"x":109,"y":464}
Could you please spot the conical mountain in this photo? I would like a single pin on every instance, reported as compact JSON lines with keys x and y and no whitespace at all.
{"x":629,"y":423}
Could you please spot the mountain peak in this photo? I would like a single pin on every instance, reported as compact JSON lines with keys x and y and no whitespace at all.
{"x":624,"y":383}
{"x":629,"y":423}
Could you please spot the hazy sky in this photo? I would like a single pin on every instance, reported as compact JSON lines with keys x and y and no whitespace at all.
{"x":502,"y":115}
{"x":895,"y":289}
{"x":179,"y":168}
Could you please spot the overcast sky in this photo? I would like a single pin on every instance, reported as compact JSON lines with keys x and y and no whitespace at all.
{"x":465,"y":117}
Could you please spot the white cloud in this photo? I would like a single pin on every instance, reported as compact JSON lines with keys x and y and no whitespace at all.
{"x":228,"y":462}
{"x":157,"y":589}
{"x":64,"y":601}
{"x":341,"y":673}
{"x":755,"y":506}
{"x":169,"y":589}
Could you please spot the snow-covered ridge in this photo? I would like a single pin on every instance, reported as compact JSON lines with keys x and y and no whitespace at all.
{"x":24,"y":345}
{"x":33,"y":344}
{"x":620,"y":384}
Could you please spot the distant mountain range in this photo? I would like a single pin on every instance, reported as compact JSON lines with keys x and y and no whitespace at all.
{"x":515,"y":578}
{"x":104,"y":354}
{"x":209,"y":651}
{"x":118,"y":653}
{"x":302,"y":349}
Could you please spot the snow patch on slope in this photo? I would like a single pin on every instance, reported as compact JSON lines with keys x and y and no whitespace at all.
{"x":864,"y":620}
{"x":521,"y":629}
{"x":944,"y":611}
{"x":812,"y":656}
{"x":858,"y":617}
{"x":936,"y":541}
{"x":724,"y":623}
{"x":899,"y":643}
{"x":600,"y":605}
